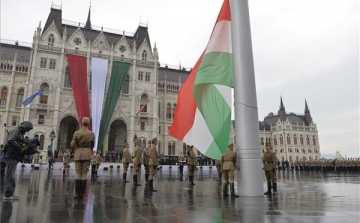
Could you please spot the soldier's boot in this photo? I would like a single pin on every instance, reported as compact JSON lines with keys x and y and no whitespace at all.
{"x":192,"y":180}
{"x":83,"y":188}
{"x":135,"y":180}
{"x":268,"y":192}
{"x":232,"y":188}
{"x":274,"y":188}
{"x":225,"y":190}
{"x":151,"y":186}
{"x":96,"y":173}
{"x":77,"y":188}
{"x":64,"y":173}
{"x":124,"y":178}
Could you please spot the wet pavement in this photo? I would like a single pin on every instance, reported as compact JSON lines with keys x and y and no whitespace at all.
{"x":47,"y":196}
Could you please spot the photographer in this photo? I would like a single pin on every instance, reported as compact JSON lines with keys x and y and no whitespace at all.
{"x":15,"y":153}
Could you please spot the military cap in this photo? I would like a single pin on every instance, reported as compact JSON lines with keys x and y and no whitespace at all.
{"x":85,"y":120}
{"x":154,"y":140}
{"x":230,"y":145}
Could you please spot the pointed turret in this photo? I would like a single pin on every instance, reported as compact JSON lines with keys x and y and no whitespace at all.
{"x":307,"y":113}
{"x":55,"y":17}
{"x":282,"y":112}
{"x":88,"y":22}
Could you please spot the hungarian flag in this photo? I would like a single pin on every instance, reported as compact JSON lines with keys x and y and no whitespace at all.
{"x":203,"y":113}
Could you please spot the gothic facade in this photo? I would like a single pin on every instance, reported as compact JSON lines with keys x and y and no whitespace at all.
{"x":43,"y":65}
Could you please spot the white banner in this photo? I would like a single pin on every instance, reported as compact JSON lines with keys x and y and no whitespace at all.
{"x":99,"y":68}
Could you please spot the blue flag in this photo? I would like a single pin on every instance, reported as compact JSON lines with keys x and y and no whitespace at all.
{"x":29,"y":99}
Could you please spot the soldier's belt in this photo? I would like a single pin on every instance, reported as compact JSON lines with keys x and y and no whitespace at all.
{"x":269,"y":162}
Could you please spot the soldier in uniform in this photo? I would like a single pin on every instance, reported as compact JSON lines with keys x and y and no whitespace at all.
{"x":218,"y":165}
{"x":126,"y":160}
{"x":228,"y":161}
{"x":98,"y":162}
{"x":153,"y":163}
{"x":66,"y":160}
{"x":269,"y":162}
{"x":137,"y":162}
{"x":84,"y":141}
{"x":191,"y":162}
{"x":181,"y":163}
{"x":145,"y":160}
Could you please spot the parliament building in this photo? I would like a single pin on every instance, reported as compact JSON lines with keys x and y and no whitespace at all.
{"x":149,"y":84}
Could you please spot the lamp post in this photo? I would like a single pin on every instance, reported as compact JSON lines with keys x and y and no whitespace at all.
{"x":135,"y":138}
{"x":52,"y":137}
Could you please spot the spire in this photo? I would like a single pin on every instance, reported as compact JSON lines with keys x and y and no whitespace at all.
{"x":88,"y":22}
{"x":307,"y":110}
{"x":282,"y":107}
{"x":282,"y":112}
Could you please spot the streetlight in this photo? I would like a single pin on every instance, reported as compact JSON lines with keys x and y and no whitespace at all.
{"x":52,"y":137}
{"x":135,"y":138}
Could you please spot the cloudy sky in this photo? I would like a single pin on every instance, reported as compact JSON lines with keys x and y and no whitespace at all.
{"x":303,"y":49}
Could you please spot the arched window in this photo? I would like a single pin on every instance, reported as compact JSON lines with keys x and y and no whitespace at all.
{"x":288,"y":141}
{"x":42,"y":141}
{"x":314,"y":141}
{"x":307,"y":140}
{"x":3,"y":97}
{"x":147,"y":77}
{"x":159,"y":113}
{"x":309,"y":150}
{"x":168,"y":111}
{"x":173,"y":148}
{"x":51,"y":40}
{"x":275,"y":141}
{"x":143,"y":103}
{"x":173,"y":110}
{"x":20,"y":98}
{"x":67,"y":81}
{"x":144,"y":55}
{"x":140,"y":76}
{"x":125,"y":87}
{"x":262,"y":141}
{"x":281,"y":139}
{"x":169,"y":148}
{"x":143,"y":144}
{"x":45,"y":94}
{"x":295,"y":140}
{"x":301,"y":140}
{"x":184,"y":149}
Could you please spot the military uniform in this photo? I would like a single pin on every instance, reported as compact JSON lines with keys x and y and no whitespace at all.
{"x":153,"y":163}
{"x":218,"y":165}
{"x":269,"y":162}
{"x":145,"y":160}
{"x":228,"y":161}
{"x":137,"y":162}
{"x":66,"y":160}
{"x":191,"y":162}
{"x":181,"y":163}
{"x":126,"y":159}
{"x":84,"y":141}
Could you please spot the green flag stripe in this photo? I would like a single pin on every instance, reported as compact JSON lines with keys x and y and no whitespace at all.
{"x":216,"y":112}
{"x":118,"y":74}
{"x":216,"y":68}
{"x":215,"y":151}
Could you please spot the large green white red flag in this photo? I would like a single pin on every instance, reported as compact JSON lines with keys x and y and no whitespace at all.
{"x":203,"y":113}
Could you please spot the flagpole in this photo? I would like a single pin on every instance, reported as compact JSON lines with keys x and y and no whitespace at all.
{"x":249,"y":174}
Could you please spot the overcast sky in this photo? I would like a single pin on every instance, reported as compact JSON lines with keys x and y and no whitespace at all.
{"x":303,"y":49}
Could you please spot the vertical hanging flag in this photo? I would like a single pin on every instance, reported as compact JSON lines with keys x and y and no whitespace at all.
{"x":99,"y":68}
{"x":118,"y":75}
{"x":78,"y":77}
{"x":203,"y":112}
{"x":29,"y":99}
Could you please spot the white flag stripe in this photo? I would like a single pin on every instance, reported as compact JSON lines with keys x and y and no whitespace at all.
{"x":225,"y":91}
{"x":99,"y":68}
{"x":199,"y":134}
{"x":220,"y":40}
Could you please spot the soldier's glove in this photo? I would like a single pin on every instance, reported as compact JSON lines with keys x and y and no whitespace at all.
{"x":274,"y":170}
